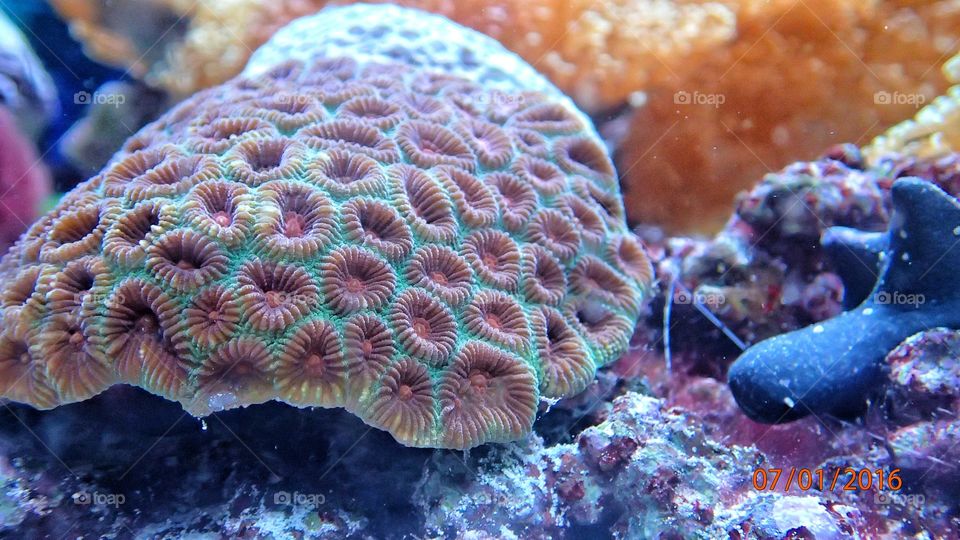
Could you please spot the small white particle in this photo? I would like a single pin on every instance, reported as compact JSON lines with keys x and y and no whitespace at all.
{"x":818,"y":329}
{"x":868,"y":311}
{"x":956,"y":231}
{"x":905,"y":256}
{"x":637,"y":99}
{"x":903,"y":233}
{"x":789,"y":402}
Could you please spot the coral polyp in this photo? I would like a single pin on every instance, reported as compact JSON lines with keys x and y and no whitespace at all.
{"x":429,"y":240}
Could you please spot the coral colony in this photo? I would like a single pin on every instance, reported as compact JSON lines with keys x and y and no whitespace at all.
{"x":423,"y":232}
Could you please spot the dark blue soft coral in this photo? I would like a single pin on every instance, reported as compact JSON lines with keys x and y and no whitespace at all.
{"x":835,"y":366}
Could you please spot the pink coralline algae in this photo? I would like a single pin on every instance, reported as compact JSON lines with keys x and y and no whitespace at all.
{"x":423,"y":232}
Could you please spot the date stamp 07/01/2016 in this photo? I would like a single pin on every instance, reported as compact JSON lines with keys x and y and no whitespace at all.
{"x":848,"y":479}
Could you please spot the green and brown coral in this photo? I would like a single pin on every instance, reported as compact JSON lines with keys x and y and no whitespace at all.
{"x":358,"y":228}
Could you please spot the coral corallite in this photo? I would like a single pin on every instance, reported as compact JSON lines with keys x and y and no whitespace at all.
{"x":425,"y":233}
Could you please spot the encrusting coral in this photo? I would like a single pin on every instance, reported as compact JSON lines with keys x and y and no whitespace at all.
{"x":424,"y":232}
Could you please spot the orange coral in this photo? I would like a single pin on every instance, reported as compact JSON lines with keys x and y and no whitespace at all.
{"x":599,"y":52}
{"x":275,"y":238}
{"x":800,"y":76}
